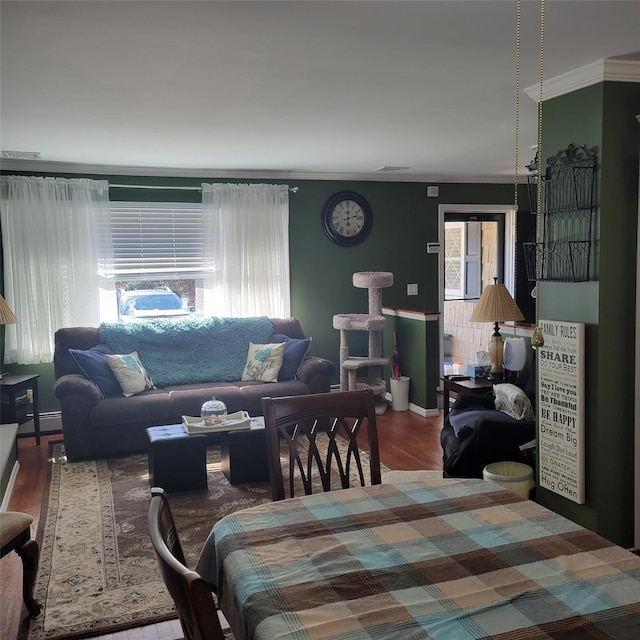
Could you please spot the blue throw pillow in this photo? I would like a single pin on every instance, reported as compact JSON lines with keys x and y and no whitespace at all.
{"x":93,"y":365}
{"x":294,"y":352}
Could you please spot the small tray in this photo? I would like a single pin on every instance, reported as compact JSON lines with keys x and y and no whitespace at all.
{"x":234,"y":422}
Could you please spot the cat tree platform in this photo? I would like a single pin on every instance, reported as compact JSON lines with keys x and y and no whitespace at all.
{"x":373,"y":323}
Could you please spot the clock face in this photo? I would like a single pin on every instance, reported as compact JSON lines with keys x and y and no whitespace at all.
{"x":346,"y":218}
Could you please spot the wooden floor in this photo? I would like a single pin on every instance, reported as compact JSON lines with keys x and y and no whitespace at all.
{"x":407,"y":441}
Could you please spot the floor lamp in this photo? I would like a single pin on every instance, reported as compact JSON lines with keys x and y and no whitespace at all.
{"x":496,"y":305}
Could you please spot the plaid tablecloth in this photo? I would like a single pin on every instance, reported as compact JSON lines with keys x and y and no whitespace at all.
{"x":409,"y":561}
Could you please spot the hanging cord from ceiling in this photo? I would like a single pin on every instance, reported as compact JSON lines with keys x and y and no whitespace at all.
{"x":517,"y":160}
{"x":537,"y":339}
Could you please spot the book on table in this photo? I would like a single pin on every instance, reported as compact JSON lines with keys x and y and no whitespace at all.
{"x":233,"y":422}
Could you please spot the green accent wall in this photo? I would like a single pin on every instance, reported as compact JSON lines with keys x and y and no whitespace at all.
{"x":603,"y":115}
{"x":417,"y":337}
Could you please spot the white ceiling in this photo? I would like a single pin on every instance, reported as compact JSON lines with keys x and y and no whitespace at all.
{"x":303,"y":87}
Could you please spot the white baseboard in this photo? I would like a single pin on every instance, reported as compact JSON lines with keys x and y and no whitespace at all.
{"x":421,"y":411}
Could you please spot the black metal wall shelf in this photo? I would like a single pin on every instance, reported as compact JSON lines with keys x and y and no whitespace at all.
{"x":563,"y":253}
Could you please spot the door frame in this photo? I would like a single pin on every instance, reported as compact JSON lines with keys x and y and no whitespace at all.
{"x":509,"y":213}
{"x":636,"y":447}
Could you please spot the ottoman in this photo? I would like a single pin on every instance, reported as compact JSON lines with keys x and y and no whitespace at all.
{"x":177,"y":460}
{"x":244,"y":454}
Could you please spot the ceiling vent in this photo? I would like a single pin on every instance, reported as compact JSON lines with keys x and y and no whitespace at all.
{"x":390,"y":169}
{"x":21,"y":155}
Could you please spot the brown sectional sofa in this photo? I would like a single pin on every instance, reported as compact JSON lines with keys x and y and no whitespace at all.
{"x":95,"y":426}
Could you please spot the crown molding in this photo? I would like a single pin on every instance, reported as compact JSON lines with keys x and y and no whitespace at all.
{"x":610,"y":69}
{"x":48,"y":166}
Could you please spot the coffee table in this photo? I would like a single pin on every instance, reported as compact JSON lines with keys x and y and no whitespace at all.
{"x":177,"y":460}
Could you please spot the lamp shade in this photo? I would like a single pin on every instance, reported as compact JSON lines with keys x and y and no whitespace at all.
{"x":6,"y":315}
{"x":496,"y":305}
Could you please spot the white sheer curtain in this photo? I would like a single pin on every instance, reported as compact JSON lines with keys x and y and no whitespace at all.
{"x":246,"y":238}
{"x":50,"y":245}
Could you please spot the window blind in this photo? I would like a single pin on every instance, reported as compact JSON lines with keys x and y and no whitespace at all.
{"x":159,"y":241}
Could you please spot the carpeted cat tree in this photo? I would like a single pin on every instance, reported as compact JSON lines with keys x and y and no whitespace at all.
{"x":373,"y":323}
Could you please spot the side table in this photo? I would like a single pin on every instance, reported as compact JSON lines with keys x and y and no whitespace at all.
{"x":472,"y":385}
{"x":12,"y":385}
{"x":243,"y":454}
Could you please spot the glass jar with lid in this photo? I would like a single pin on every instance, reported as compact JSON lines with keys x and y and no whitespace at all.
{"x":213,"y":412}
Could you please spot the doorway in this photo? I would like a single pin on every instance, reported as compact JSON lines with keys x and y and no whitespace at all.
{"x":477,"y":245}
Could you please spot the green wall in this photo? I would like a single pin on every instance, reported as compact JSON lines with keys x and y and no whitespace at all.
{"x":603,"y":115}
{"x":404,"y":220}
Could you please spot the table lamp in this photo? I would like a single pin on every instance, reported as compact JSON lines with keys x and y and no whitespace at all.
{"x":496,"y":305}
{"x":6,"y":317}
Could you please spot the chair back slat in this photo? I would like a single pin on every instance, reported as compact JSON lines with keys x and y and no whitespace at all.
{"x":318,"y":435}
{"x":189,"y":591}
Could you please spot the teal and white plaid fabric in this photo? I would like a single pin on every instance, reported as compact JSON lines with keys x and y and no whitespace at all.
{"x":450,"y":561}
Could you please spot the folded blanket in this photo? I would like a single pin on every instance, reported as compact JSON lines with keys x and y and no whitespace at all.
{"x":190,"y":350}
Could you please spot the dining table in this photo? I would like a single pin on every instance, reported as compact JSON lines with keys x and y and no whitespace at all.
{"x":456,"y":559}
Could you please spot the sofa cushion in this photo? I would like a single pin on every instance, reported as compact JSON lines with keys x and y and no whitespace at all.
{"x":289,"y":326}
{"x":264,"y":362}
{"x":149,"y":408}
{"x":188,"y":400}
{"x":253,"y":392}
{"x":294,"y":352}
{"x":130,"y":373}
{"x":93,"y":364}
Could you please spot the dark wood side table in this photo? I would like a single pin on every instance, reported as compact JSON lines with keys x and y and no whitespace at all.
{"x":12,"y":385}
{"x":472,"y":385}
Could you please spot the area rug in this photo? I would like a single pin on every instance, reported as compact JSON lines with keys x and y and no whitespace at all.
{"x":98,"y":573}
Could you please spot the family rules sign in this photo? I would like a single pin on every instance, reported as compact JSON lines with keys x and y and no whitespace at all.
{"x":561,"y":409}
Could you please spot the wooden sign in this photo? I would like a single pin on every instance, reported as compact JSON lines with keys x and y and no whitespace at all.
{"x":561,"y":409}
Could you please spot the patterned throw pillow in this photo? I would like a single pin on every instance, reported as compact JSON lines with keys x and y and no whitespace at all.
{"x":263,"y":362}
{"x":513,"y":401}
{"x":130,"y":373}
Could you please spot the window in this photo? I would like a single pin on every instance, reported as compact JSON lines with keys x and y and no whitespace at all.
{"x":156,"y":241}
{"x":454,"y":253}
{"x":154,"y":246}
{"x":473,"y":254}
{"x":226,"y":256}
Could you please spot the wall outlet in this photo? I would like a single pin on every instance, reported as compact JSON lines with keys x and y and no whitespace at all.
{"x":412,"y":289}
{"x":30,"y":395}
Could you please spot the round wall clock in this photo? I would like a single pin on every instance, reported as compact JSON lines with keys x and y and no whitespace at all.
{"x":346,"y":218}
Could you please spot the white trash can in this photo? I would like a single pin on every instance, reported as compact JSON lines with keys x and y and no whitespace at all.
{"x":515,"y":476}
{"x":399,"y":393}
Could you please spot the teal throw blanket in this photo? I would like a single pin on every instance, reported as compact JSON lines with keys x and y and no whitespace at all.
{"x":190,"y":350}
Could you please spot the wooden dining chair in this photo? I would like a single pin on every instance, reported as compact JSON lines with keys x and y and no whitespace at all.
{"x":190,"y":593}
{"x":317,"y":435}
